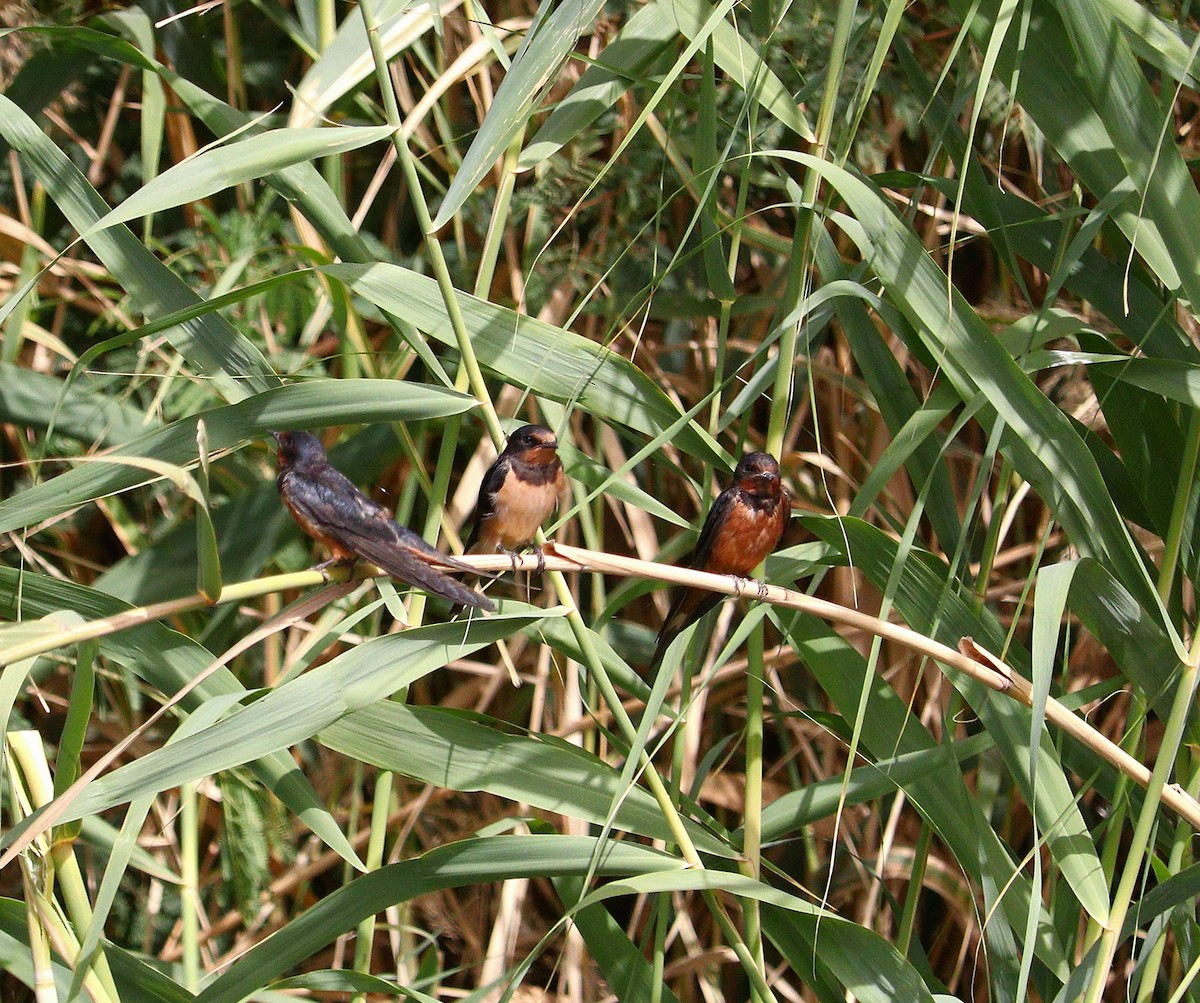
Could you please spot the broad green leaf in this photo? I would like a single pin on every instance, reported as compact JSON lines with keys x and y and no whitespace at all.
{"x":623,"y":62}
{"x":301,"y":405}
{"x":1082,"y":88}
{"x":868,"y":966}
{"x":210,"y":342}
{"x":1146,"y":656}
{"x":469,"y":862}
{"x":532,"y":354}
{"x":1053,"y":586}
{"x":1159,"y":41}
{"x":628,"y":974}
{"x":1176,"y":380}
{"x":136,"y":24}
{"x":468,"y":753}
{"x":820,"y":800}
{"x":88,"y":413}
{"x":168,"y":661}
{"x":13,"y":635}
{"x":301,"y":184}
{"x":222,"y":167}
{"x":1137,"y":132}
{"x":740,"y":62}
{"x":297,"y":710}
{"x":343,"y":981}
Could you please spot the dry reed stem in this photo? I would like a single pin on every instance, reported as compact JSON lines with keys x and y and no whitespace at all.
{"x":969,"y":658}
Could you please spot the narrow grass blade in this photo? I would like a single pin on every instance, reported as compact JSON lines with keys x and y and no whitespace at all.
{"x":467,"y":753}
{"x":210,"y":342}
{"x":532,"y":354}
{"x":301,"y":405}
{"x":222,"y":167}
{"x":547,"y":45}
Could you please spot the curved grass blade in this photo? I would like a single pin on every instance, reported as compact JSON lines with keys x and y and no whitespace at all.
{"x":469,"y":862}
{"x":301,"y":405}
{"x":548,"y":360}
{"x":464,"y":752}
{"x":227,"y":166}
{"x":210,"y":342}
{"x":547,"y":45}
{"x":168,"y":661}
{"x":295,"y":711}
{"x":135,"y":979}
{"x":863,"y":962}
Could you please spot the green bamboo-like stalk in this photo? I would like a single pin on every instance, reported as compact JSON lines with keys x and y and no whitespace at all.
{"x":46,"y":864}
{"x":432,"y":248}
{"x":582,"y":634}
{"x":1184,"y":488}
{"x":365,"y":938}
{"x":798,"y":272}
{"x":189,"y":892}
{"x":912,"y":896}
{"x":658,"y":788}
{"x":1178,"y":857}
{"x":478,"y":387}
{"x":1155,"y":952}
{"x":752,"y":812}
{"x":1136,"y":859}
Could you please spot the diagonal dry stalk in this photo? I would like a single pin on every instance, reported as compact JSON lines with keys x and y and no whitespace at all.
{"x":969,"y":658}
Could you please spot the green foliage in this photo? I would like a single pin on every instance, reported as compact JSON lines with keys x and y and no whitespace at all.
{"x":942,"y":261}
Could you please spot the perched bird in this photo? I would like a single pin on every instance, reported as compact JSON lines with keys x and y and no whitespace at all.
{"x":742,"y":527}
{"x":518,"y":492}
{"x":334,"y":512}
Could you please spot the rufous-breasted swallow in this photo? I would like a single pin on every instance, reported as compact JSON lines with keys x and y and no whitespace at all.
{"x":743,"y":526}
{"x":518,"y":492}
{"x":334,"y":512}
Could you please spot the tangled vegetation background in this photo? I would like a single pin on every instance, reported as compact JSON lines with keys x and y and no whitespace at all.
{"x":943,"y":260}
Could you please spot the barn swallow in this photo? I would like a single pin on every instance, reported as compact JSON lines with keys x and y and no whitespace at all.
{"x":518,"y":492}
{"x":743,"y":526}
{"x":334,"y":512}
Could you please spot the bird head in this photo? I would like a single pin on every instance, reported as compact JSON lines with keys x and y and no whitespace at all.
{"x":758,"y":474}
{"x":534,"y":444}
{"x":299,"y":449}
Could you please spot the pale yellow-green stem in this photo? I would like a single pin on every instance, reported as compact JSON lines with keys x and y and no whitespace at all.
{"x":433,"y":249}
{"x":1135,"y":860}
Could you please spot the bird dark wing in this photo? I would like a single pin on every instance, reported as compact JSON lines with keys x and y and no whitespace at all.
{"x":716,"y":520}
{"x":328,"y":501}
{"x":688,"y":605}
{"x":485,"y":505}
{"x":359,"y":525}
